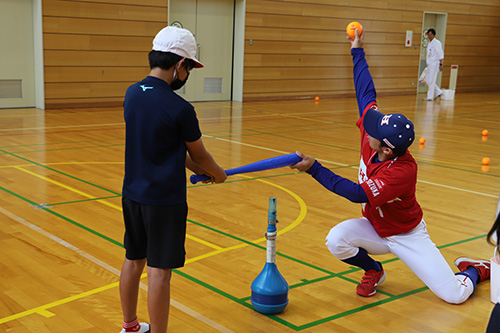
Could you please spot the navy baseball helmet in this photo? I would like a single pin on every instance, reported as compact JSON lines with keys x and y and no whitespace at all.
{"x":395,"y":130}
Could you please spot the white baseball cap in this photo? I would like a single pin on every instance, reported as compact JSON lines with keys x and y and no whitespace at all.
{"x":179,"y":41}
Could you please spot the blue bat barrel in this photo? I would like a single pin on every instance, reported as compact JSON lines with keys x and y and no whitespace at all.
{"x":270,"y":163}
{"x":270,"y":289}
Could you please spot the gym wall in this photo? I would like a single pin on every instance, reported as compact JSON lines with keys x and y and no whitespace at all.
{"x":299,"y":48}
{"x":94,"y":49}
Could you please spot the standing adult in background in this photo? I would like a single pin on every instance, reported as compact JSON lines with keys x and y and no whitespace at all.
{"x":435,"y":55}
{"x":162,"y":139}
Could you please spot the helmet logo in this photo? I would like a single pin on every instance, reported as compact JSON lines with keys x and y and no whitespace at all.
{"x":385,"y":120}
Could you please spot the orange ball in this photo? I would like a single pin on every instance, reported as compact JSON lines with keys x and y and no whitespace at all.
{"x":351,"y":29}
{"x":421,"y":140}
{"x":316,"y":98}
{"x":484,"y":132}
{"x":485,"y":161}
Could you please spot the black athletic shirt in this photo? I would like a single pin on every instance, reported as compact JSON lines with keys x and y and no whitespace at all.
{"x":158,"y":122}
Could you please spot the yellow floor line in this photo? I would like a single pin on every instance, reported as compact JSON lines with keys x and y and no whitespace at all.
{"x":199,"y":240}
{"x":69,"y":188}
{"x":42,"y":310}
{"x":298,"y":220}
{"x":104,"y":202}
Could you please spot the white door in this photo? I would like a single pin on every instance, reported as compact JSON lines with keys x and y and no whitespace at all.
{"x":437,"y":21}
{"x":211,"y":22}
{"x":17,"y":69}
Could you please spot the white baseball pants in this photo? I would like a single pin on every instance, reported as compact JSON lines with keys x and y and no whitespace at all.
{"x":414,"y":248}
{"x":430,"y":79}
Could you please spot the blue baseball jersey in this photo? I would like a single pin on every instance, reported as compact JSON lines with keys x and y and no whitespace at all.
{"x":158,"y":123}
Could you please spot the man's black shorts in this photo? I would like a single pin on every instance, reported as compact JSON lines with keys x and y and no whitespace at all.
{"x":157,"y":233}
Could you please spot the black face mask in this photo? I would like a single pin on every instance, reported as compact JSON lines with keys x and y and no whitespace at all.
{"x":178,"y":83}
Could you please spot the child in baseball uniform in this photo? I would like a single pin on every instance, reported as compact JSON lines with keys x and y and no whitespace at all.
{"x":392,"y":218}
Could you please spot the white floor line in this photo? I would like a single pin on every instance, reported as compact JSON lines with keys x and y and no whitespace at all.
{"x":459,"y":189}
{"x":53,"y":127}
{"x":264,"y":148}
{"x":340,"y":164}
{"x":178,"y":305}
{"x":265,"y":114}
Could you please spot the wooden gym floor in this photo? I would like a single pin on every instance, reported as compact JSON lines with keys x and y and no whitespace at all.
{"x":61,"y":228}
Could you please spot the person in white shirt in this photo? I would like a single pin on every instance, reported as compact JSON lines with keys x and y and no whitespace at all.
{"x":435,"y":57}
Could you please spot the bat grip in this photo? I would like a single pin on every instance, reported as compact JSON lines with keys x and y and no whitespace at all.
{"x":198,"y":178}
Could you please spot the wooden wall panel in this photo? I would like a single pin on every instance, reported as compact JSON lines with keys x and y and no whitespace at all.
{"x":291,"y":73}
{"x":56,"y":41}
{"x":68,"y":25}
{"x":95,"y":74}
{"x":94,"y":49}
{"x":62,"y":8}
{"x":302,"y":61}
{"x":297,"y":49}
{"x":481,"y":7}
{"x":95,"y":58}
{"x":143,"y":3}
{"x":87,"y":90}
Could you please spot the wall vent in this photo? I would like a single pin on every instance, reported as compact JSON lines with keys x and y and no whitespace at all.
{"x":213,"y":85}
{"x":11,"y":88}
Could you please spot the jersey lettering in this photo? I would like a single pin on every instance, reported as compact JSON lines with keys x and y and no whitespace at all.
{"x":373,"y":187}
{"x":362,"y":177}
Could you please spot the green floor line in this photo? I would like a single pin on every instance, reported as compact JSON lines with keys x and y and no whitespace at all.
{"x":123,"y":144}
{"x":332,"y":126}
{"x":270,"y":176}
{"x":274,"y":128}
{"x":226,"y":234}
{"x":313,"y":142}
{"x":243,"y":301}
{"x":83,"y":200}
{"x":462,"y":241}
{"x":304,"y":282}
{"x":59,"y":143}
{"x":59,"y":172}
{"x":260,"y":247}
{"x":359,"y":309}
{"x":356,"y":282}
{"x":63,"y":217}
{"x":458,"y":169}
{"x":220,"y":292}
{"x":69,"y":148}
{"x":206,"y":285}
